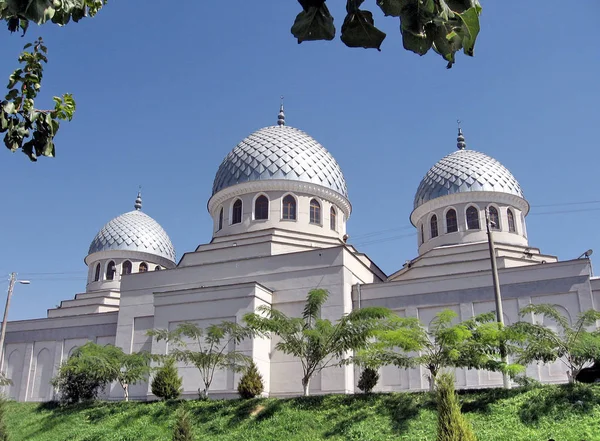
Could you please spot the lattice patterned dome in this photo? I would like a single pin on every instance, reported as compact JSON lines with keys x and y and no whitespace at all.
{"x":466,"y":170}
{"x":280,"y":152}
{"x":134,"y":231}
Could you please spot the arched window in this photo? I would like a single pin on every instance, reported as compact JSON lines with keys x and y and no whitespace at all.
{"x":143,"y":267}
{"x":472,"y":218}
{"x":494,"y":218}
{"x":126,"y":267}
{"x":422,"y":234}
{"x":157,"y":268}
{"x":110,"y":270}
{"x":236,"y":214}
{"x":433,"y":226}
{"x":221,"y":219}
{"x":315,"y":212}
{"x":261,"y":208}
{"x":510,"y":216}
{"x":332,"y":219}
{"x":97,"y":274}
{"x":451,"y":223}
{"x":289,"y":208}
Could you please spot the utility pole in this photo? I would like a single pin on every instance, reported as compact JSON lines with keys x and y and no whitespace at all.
{"x":11,"y":286}
{"x":497,"y":295}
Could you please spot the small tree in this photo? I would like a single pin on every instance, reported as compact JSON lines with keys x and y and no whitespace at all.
{"x":317,"y":342}
{"x":251,"y":383}
{"x":166,"y":383}
{"x":474,"y":343}
{"x":3,"y":429}
{"x":452,"y":425}
{"x":109,"y":363}
{"x":76,"y":384}
{"x":183,"y":427}
{"x":368,"y":380}
{"x":214,"y":348}
{"x":574,"y":345}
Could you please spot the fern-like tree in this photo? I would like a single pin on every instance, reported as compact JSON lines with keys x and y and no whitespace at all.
{"x":317,"y":342}
{"x":106,"y":364}
{"x":452,"y":425}
{"x":574,"y":345}
{"x":407,"y":343}
{"x":209,"y":349}
{"x":251,"y":383}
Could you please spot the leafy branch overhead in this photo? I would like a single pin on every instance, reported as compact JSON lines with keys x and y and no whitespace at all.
{"x":24,"y":126}
{"x":19,"y":13}
{"x":446,"y":26}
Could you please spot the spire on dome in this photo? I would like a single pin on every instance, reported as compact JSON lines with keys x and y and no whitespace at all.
{"x":281,"y":116}
{"x":138,"y":200}
{"x":460,"y":140}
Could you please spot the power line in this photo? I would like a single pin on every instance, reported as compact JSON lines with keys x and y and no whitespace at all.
{"x":566,"y":203}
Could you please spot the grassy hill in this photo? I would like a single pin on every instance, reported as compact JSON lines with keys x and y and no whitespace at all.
{"x":563,"y":413}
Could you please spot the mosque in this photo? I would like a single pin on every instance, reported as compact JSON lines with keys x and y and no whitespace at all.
{"x":280,"y":206}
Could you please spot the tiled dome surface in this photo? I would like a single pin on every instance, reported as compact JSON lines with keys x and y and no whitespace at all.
{"x":134,"y":231}
{"x":466,"y":170}
{"x":280,"y":152}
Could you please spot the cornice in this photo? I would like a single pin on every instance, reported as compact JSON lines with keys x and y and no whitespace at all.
{"x":280,"y":185}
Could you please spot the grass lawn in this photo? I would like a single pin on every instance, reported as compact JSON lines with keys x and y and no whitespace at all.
{"x":562,"y":413}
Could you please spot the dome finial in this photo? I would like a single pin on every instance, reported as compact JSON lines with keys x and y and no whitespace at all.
{"x":460,"y":140}
{"x":281,"y":116}
{"x":138,"y":200}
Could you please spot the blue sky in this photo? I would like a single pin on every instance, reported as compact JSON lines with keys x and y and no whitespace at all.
{"x":164,"y":95}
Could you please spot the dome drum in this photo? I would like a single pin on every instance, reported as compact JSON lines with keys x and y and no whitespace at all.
{"x":250,"y":212}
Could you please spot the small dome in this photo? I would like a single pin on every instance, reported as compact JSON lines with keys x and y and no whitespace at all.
{"x":134,"y":231}
{"x":466,"y":170}
{"x":280,"y":152}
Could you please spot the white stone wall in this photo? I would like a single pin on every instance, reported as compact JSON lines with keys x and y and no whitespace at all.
{"x":35,"y":349}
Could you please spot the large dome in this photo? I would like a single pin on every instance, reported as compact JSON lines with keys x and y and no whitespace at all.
{"x":463,"y":171}
{"x":134,"y":231}
{"x":280,"y":152}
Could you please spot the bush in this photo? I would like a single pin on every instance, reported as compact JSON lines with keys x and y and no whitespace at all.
{"x":183,"y":428}
{"x":166,"y":383}
{"x":74,"y":387}
{"x":3,"y":428}
{"x":368,"y":380}
{"x":452,"y":425}
{"x":251,"y":383}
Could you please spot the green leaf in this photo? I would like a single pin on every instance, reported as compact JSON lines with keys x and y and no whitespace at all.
{"x":314,"y":24}
{"x":417,"y":43}
{"x":358,"y":30}
{"x":9,"y":107}
{"x":394,"y":7}
{"x":470,"y":20}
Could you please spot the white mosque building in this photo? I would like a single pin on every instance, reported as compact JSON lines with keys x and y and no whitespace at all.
{"x":279,"y":207}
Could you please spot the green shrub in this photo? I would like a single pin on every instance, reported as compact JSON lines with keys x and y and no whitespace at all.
{"x":3,"y":428}
{"x":452,"y":425}
{"x":75,"y":386}
{"x":183,"y":428}
{"x":251,"y":383}
{"x":368,"y":380}
{"x":166,"y":383}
